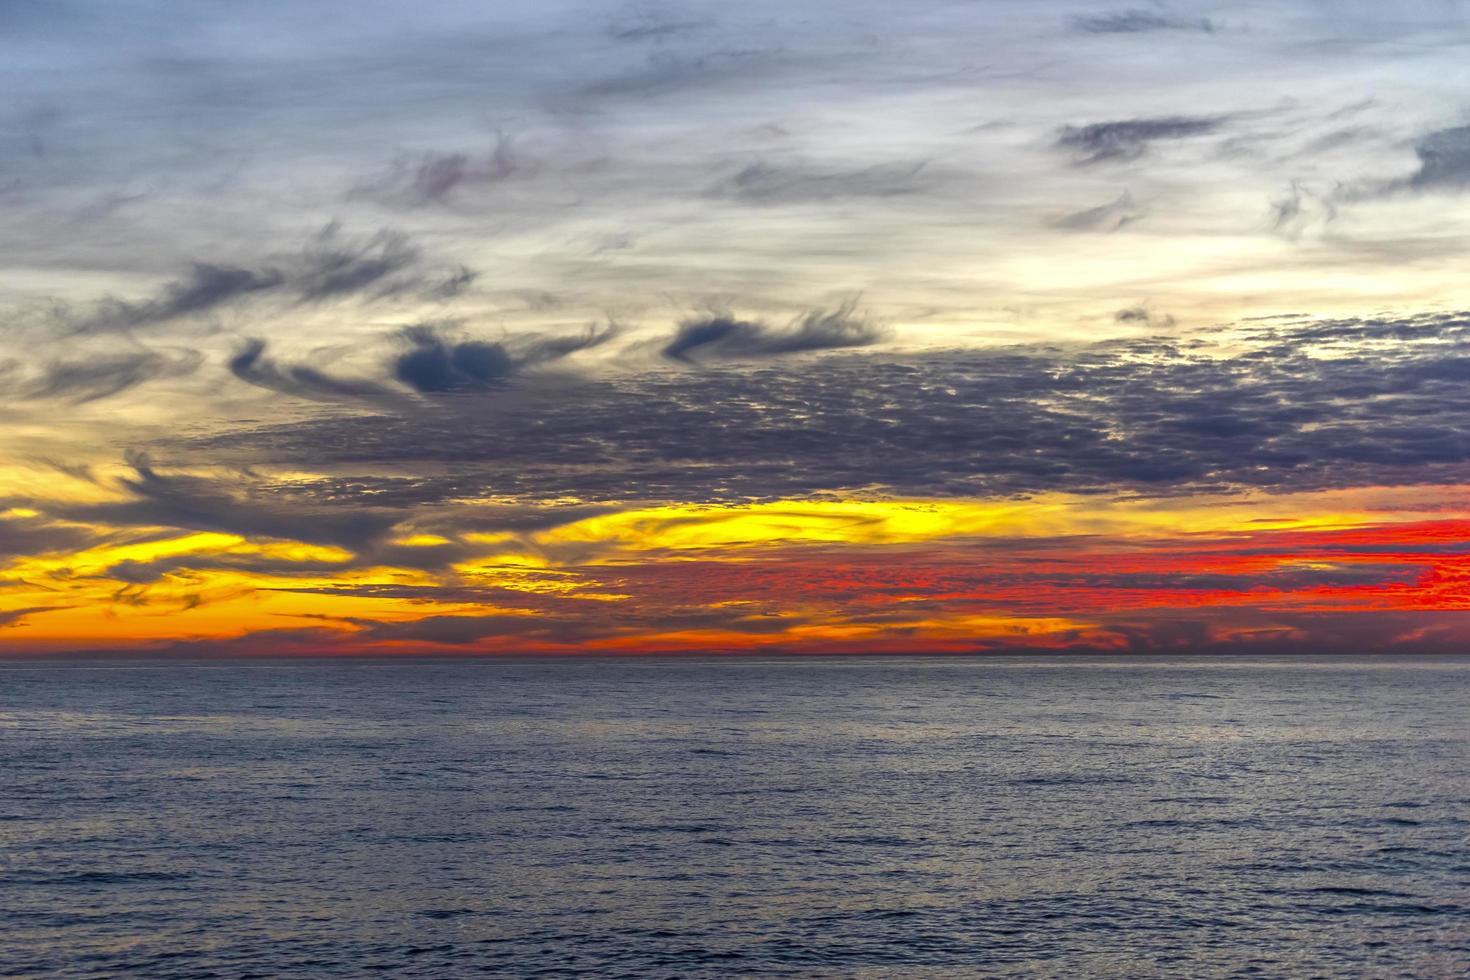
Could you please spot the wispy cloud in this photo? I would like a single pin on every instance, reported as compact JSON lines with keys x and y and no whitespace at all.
{"x":1129,"y":139}
{"x":330,"y":267}
{"x":1140,"y":21}
{"x":726,"y":338}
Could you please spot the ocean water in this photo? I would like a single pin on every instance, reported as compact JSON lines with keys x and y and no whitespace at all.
{"x":845,"y":817}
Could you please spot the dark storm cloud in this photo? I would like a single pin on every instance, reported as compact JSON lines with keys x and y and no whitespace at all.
{"x":250,"y":365}
{"x":1296,"y":407}
{"x":726,"y":338}
{"x":332,"y":266}
{"x":437,"y":364}
{"x":1139,"y":22}
{"x":79,"y":380}
{"x":1129,"y":139}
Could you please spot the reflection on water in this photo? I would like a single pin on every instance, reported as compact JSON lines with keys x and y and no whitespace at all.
{"x":852,"y":817}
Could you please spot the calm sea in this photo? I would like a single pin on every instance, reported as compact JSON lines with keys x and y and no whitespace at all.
{"x":860,"y":817}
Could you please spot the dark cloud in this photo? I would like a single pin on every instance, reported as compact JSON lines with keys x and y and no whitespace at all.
{"x":250,"y":365}
{"x":332,"y":266}
{"x":79,"y":380}
{"x":438,"y":364}
{"x":38,"y":536}
{"x":1444,"y":160}
{"x":1286,"y":407}
{"x":1141,"y":314}
{"x":1129,"y":139}
{"x":229,"y":507}
{"x":726,"y":338}
{"x":1140,"y":22}
{"x":13,"y":617}
{"x":201,"y":289}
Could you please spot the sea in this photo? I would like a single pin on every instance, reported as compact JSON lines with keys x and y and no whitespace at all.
{"x":905,"y":817}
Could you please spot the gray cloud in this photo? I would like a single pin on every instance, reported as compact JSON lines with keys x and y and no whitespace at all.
{"x":726,"y":338}
{"x":1113,"y":216}
{"x":1299,"y":208}
{"x":665,"y":72}
{"x":1139,"y":22}
{"x":1291,"y":407}
{"x":14,"y":617}
{"x":39,"y":535}
{"x":330,"y":267}
{"x":236,"y":507}
{"x":435,"y":177}
{"x":203,"y":288}
{"x":250,"y":365}
{"x":437,"y":364}
{"x":1143,"y":315}
{"x":79,"y":380}
{"x":1129,"y":139}
{"x":1444,"y":160}
{"x":764,"y":183}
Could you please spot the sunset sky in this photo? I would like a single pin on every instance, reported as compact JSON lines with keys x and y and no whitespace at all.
{"x":818,"y":326}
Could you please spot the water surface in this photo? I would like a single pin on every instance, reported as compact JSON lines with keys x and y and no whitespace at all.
{"x":799,"y":817}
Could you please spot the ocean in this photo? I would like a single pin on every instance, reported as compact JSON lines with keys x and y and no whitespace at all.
{"x":830,"y":817}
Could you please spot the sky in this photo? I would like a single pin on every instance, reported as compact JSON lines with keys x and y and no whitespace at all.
{"x":669,"y":327}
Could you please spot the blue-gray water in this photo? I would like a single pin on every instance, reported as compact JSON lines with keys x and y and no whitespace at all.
{"x":834,"y":817}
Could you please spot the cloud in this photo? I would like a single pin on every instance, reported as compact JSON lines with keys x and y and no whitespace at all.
{"x":465,"y":630}
{"x":763,"y":184}
{"x":330,"y":267}
{"x":1444,"y":160}
{"x":1141,"y":314}
{"x":726,"y":338}
{"x":436,"y":364}
{"x":229,"y":507}
{"x":1129,"y":139}
{"x":643,"y":25}
{"x":1110,"y":217}
{"x":1300,"y":208}
{"x":1139,"y":22}
{"x":250,"y":365}
{"x":1288,"y":407}
{"x":667,"y":72}
{"x":21,"y":536}
{"x":78,"y":380}
{"x":435,"y":177}
{"x":202,"y":288}
{"x":14,"y":617}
